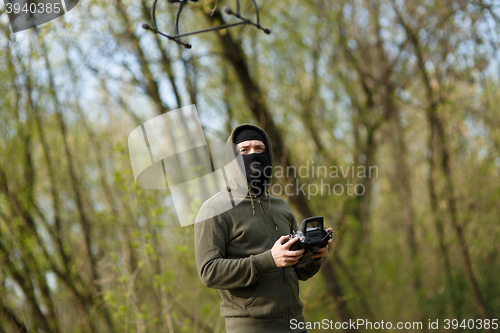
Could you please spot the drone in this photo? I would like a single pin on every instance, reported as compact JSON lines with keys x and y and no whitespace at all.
{"x":177,"y":37}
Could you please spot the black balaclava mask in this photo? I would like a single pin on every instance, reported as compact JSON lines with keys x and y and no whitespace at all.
{"x":257,"y":166}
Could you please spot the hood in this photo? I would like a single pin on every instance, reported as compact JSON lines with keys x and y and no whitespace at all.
{"x":236,"y":177}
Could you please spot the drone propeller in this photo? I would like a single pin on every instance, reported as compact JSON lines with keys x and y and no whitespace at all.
{"x":177,"y":37}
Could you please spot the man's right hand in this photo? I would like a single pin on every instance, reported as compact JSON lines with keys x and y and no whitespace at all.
{"x":282,"y":255}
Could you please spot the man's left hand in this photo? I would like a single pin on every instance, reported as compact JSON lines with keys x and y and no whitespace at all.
{"x":323,"y":250}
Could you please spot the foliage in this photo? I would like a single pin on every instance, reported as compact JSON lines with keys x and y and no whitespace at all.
{"x":409,"y":87}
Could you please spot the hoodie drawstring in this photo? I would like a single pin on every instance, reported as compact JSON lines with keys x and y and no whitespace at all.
{"x":251,"y":200}
{"x":271,"y":208}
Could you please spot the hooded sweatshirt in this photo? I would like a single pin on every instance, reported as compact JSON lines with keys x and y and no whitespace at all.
{"x":233,"y":254}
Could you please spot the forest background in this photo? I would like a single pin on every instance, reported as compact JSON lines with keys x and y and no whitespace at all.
{"x":410,"y":87}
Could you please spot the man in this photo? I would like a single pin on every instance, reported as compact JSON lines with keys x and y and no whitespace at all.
{"x":240,"y":250}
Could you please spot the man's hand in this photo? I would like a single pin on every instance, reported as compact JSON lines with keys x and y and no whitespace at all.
{"x":322,"y":251}
{"x":282,"y":255}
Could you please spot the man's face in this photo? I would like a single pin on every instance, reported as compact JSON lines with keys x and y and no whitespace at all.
{"x":250,"y":147}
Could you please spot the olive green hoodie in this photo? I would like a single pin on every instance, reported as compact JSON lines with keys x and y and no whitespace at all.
{"x":233,"y":255}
